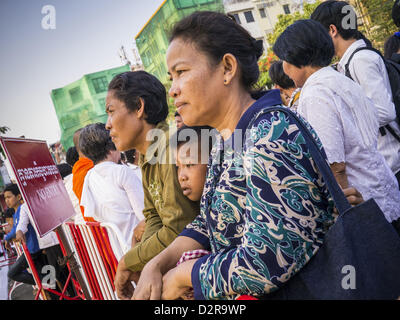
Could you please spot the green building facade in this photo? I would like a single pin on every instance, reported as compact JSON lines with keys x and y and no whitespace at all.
{"x":152,"y":40}
{"x":82,"y":102}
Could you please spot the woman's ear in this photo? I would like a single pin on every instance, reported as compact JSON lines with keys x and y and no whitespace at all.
{"x":140,"y":111}
{"x":230,"y":66}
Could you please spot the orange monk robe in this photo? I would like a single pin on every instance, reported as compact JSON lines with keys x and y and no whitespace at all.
{"x":79,"y":171}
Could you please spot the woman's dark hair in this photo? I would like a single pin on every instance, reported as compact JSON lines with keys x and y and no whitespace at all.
{"x":305,"y":43}
{"x":392,"y":45}
{"x":95,"y":142}
{"x":332,"y":12}
{"x":72,"y":156}
{"x":64,"y":169}
{"x":396,"y":13}
{"x":129,"y":87}
{"x":279,"y":77}
{"x":13,"y":188}
{"x":216,"y":34}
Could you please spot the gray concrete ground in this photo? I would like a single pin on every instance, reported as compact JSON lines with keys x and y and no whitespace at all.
{"x":3,"y":283}
{"x":22,"y":292}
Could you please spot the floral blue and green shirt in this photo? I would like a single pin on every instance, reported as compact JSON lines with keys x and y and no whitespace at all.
{"x":265,"y":208}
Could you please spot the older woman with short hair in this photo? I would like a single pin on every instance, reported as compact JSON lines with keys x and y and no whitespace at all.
{"x":112,"y":193}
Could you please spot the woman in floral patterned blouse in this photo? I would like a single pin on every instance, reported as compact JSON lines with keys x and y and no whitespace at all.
{"x":264,"y":209}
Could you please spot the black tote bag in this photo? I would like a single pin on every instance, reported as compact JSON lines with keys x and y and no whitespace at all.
{"x":360,"y":256}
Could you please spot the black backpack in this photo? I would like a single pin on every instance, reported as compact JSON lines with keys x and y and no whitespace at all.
{"x":393,"y":70}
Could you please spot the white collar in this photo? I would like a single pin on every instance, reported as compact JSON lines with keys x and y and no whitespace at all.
{"x":355,"y":45}
{"x":105,"y":164}
{"x":315,"y":76}
{"x":132,"y":166}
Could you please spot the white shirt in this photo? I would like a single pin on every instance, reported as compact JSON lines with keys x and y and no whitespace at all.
{"x":78,"y":218}
{"x":346,"y":122}
{"x":113,"y":193}
{"x":47,"y":241}
{"x":4,"y":174}
{"x":136,"y":169}
{"x":369,"y":71}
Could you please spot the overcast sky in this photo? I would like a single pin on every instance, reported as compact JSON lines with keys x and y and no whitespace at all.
{"x":34,"y":60}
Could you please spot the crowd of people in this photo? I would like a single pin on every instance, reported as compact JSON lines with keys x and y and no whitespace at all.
{"x":44,"y":251}
{"x":231,"y":203}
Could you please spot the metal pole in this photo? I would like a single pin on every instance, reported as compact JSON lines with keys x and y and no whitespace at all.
{"x":72,"y":262}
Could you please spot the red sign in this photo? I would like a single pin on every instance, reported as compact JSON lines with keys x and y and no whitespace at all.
{"x":40,"y":182}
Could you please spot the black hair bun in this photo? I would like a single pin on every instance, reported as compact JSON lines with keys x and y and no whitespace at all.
{"x":258,"y":46}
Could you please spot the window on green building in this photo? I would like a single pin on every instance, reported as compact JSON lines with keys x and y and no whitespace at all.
{"x":204,"y":1}
{"x":102,"y":104}
{"x":100,"y":84}
{"x":69,"y":120}
{"x":180,"y":4}
{"x":147,"y":58}
{"x":75,"y":94}
{"x":162,"y":73}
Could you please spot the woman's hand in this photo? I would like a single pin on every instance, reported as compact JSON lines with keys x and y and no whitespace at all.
{"x":150,"y":284}
{"x":353,"y":196}
{"x":123,"y":279}
{"x":177,"y":281}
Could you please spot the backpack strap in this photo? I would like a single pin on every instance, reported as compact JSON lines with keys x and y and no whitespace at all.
{"x":395,"y":58}
{"x":347,"y":66}
{"x":347,"y":73}
{"x":392,"y":132}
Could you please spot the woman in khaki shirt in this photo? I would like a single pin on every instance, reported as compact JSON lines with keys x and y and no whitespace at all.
{"x":137,"y":108}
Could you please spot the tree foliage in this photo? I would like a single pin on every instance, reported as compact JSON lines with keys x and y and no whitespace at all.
{"x":4,"y":129}
{"x":377,"y":16}
{"x":264,"y":63}
{"x":284,"y":20}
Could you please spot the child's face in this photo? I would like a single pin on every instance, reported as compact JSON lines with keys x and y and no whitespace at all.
{"x":179,"y":121}
{"x":191,"y":173}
